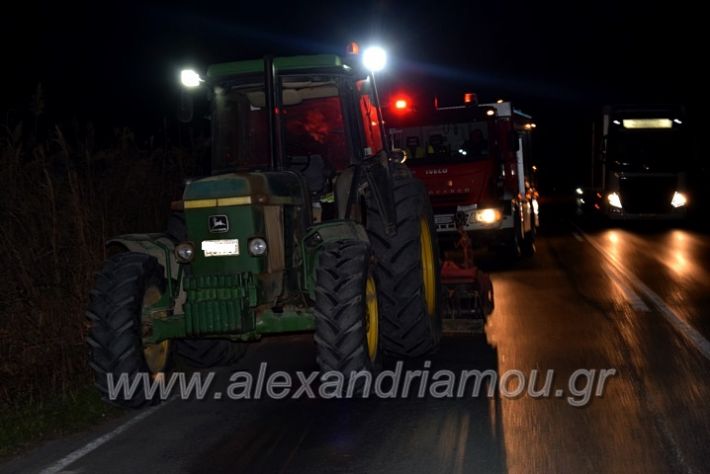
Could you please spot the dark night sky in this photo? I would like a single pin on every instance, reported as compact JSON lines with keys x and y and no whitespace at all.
{"x":117,"y":62}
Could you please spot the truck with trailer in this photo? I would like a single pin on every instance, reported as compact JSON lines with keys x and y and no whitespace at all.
{"x":637,"y":170}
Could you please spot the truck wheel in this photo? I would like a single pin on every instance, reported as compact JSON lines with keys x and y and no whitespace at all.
{"x":407,"y":271}
{"x":485,"y":287}
{"x":205,"y":353}
{"x":346,"y":309}
{"x":513,"y":246}
{"x":127,"y":283}
{"x":528,"y":246}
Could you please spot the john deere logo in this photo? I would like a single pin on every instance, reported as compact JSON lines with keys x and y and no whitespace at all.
{"x":218,"y":223}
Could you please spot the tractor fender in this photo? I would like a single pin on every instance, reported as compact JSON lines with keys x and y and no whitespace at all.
{"x":159,"y":246}
{"x":333,"y":231}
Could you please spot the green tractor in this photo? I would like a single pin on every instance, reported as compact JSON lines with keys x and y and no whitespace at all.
{"x":308,"y":222}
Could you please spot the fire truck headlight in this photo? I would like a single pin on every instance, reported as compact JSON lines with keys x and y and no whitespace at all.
{"x":614,"y":200}
{"x":486,"y":216}
{"x":679,"y":199}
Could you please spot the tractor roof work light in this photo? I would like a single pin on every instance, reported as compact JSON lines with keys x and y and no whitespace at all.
{"x":374,"y":58}
{"x":190,"y":78}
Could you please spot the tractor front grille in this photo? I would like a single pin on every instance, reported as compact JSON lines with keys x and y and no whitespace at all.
{"x":218,"y":304}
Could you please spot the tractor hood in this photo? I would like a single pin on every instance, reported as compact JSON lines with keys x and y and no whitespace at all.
{"x":458,"y":184}
{"x":225,"y":213}
{"x":270,"y":187}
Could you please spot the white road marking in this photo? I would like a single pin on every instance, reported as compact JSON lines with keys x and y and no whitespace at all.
{"x":83,"y":451}
{"x":634,"y":300}
{"x":670,"y":315}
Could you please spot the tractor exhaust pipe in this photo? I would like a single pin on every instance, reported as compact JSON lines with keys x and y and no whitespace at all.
{"x":273,"y":103}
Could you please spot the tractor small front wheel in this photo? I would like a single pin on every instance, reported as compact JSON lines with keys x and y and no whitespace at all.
{"x":128,"y":283}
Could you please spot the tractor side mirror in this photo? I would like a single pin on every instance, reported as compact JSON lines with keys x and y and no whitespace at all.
{"x":187,"y":107}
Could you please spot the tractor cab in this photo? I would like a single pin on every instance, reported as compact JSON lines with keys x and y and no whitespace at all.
{"x":324,"y":122}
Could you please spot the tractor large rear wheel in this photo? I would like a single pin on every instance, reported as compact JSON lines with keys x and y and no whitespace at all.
{"x":128,"y":283}
{"x":346,"y":309}
{"x":407,"y":271}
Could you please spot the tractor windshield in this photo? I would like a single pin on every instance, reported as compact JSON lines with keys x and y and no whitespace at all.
{"x":312,"y":122}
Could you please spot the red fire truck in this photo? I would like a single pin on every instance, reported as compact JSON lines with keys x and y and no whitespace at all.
{"x":475,"y":162}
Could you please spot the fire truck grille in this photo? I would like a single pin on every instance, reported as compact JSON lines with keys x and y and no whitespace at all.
{"x":449,"y":200}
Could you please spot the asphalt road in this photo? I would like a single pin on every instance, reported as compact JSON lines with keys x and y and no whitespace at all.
{"x":634,"y":300}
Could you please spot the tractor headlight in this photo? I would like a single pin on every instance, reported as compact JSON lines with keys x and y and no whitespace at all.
{"x":486,"y":216}
{"x":190,"y":78}
{"x":185,"y":252}
{"x":374,"y":58}
{"x":257,"y":246}
{"x":614,"y":200}
{"x":679,"y":199}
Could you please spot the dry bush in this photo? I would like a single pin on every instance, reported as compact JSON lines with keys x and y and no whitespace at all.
{"x":59,"y":203}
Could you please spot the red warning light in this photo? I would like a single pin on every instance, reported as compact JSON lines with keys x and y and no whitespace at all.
{"x":401,"y":104}
{"x":353,"y":48}
{"x":469,"y":98}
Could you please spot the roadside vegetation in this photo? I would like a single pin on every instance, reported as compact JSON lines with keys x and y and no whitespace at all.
{"x":63,"y":194}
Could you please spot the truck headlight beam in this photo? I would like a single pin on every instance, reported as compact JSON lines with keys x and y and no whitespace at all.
{"x":614,"y":200}
{"x":679,"y":200}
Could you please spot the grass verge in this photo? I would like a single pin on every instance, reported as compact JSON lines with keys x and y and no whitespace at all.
{"x":25,"y":425}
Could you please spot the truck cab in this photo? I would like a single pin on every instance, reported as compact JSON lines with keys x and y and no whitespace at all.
{"x":640,"y":158}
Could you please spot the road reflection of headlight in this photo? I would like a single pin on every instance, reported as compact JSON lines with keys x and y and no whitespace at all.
{"x":679,"y":199}
{"x":486,"y":216}
{"x":614,"y":200}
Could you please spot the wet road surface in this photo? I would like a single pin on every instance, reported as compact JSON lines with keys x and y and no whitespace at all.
{"x":594,"y":299}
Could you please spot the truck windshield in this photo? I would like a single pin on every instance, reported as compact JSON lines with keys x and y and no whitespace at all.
{"x":312,"y":121}
{"x":458,"y":142}
{"x":647,"y":150}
